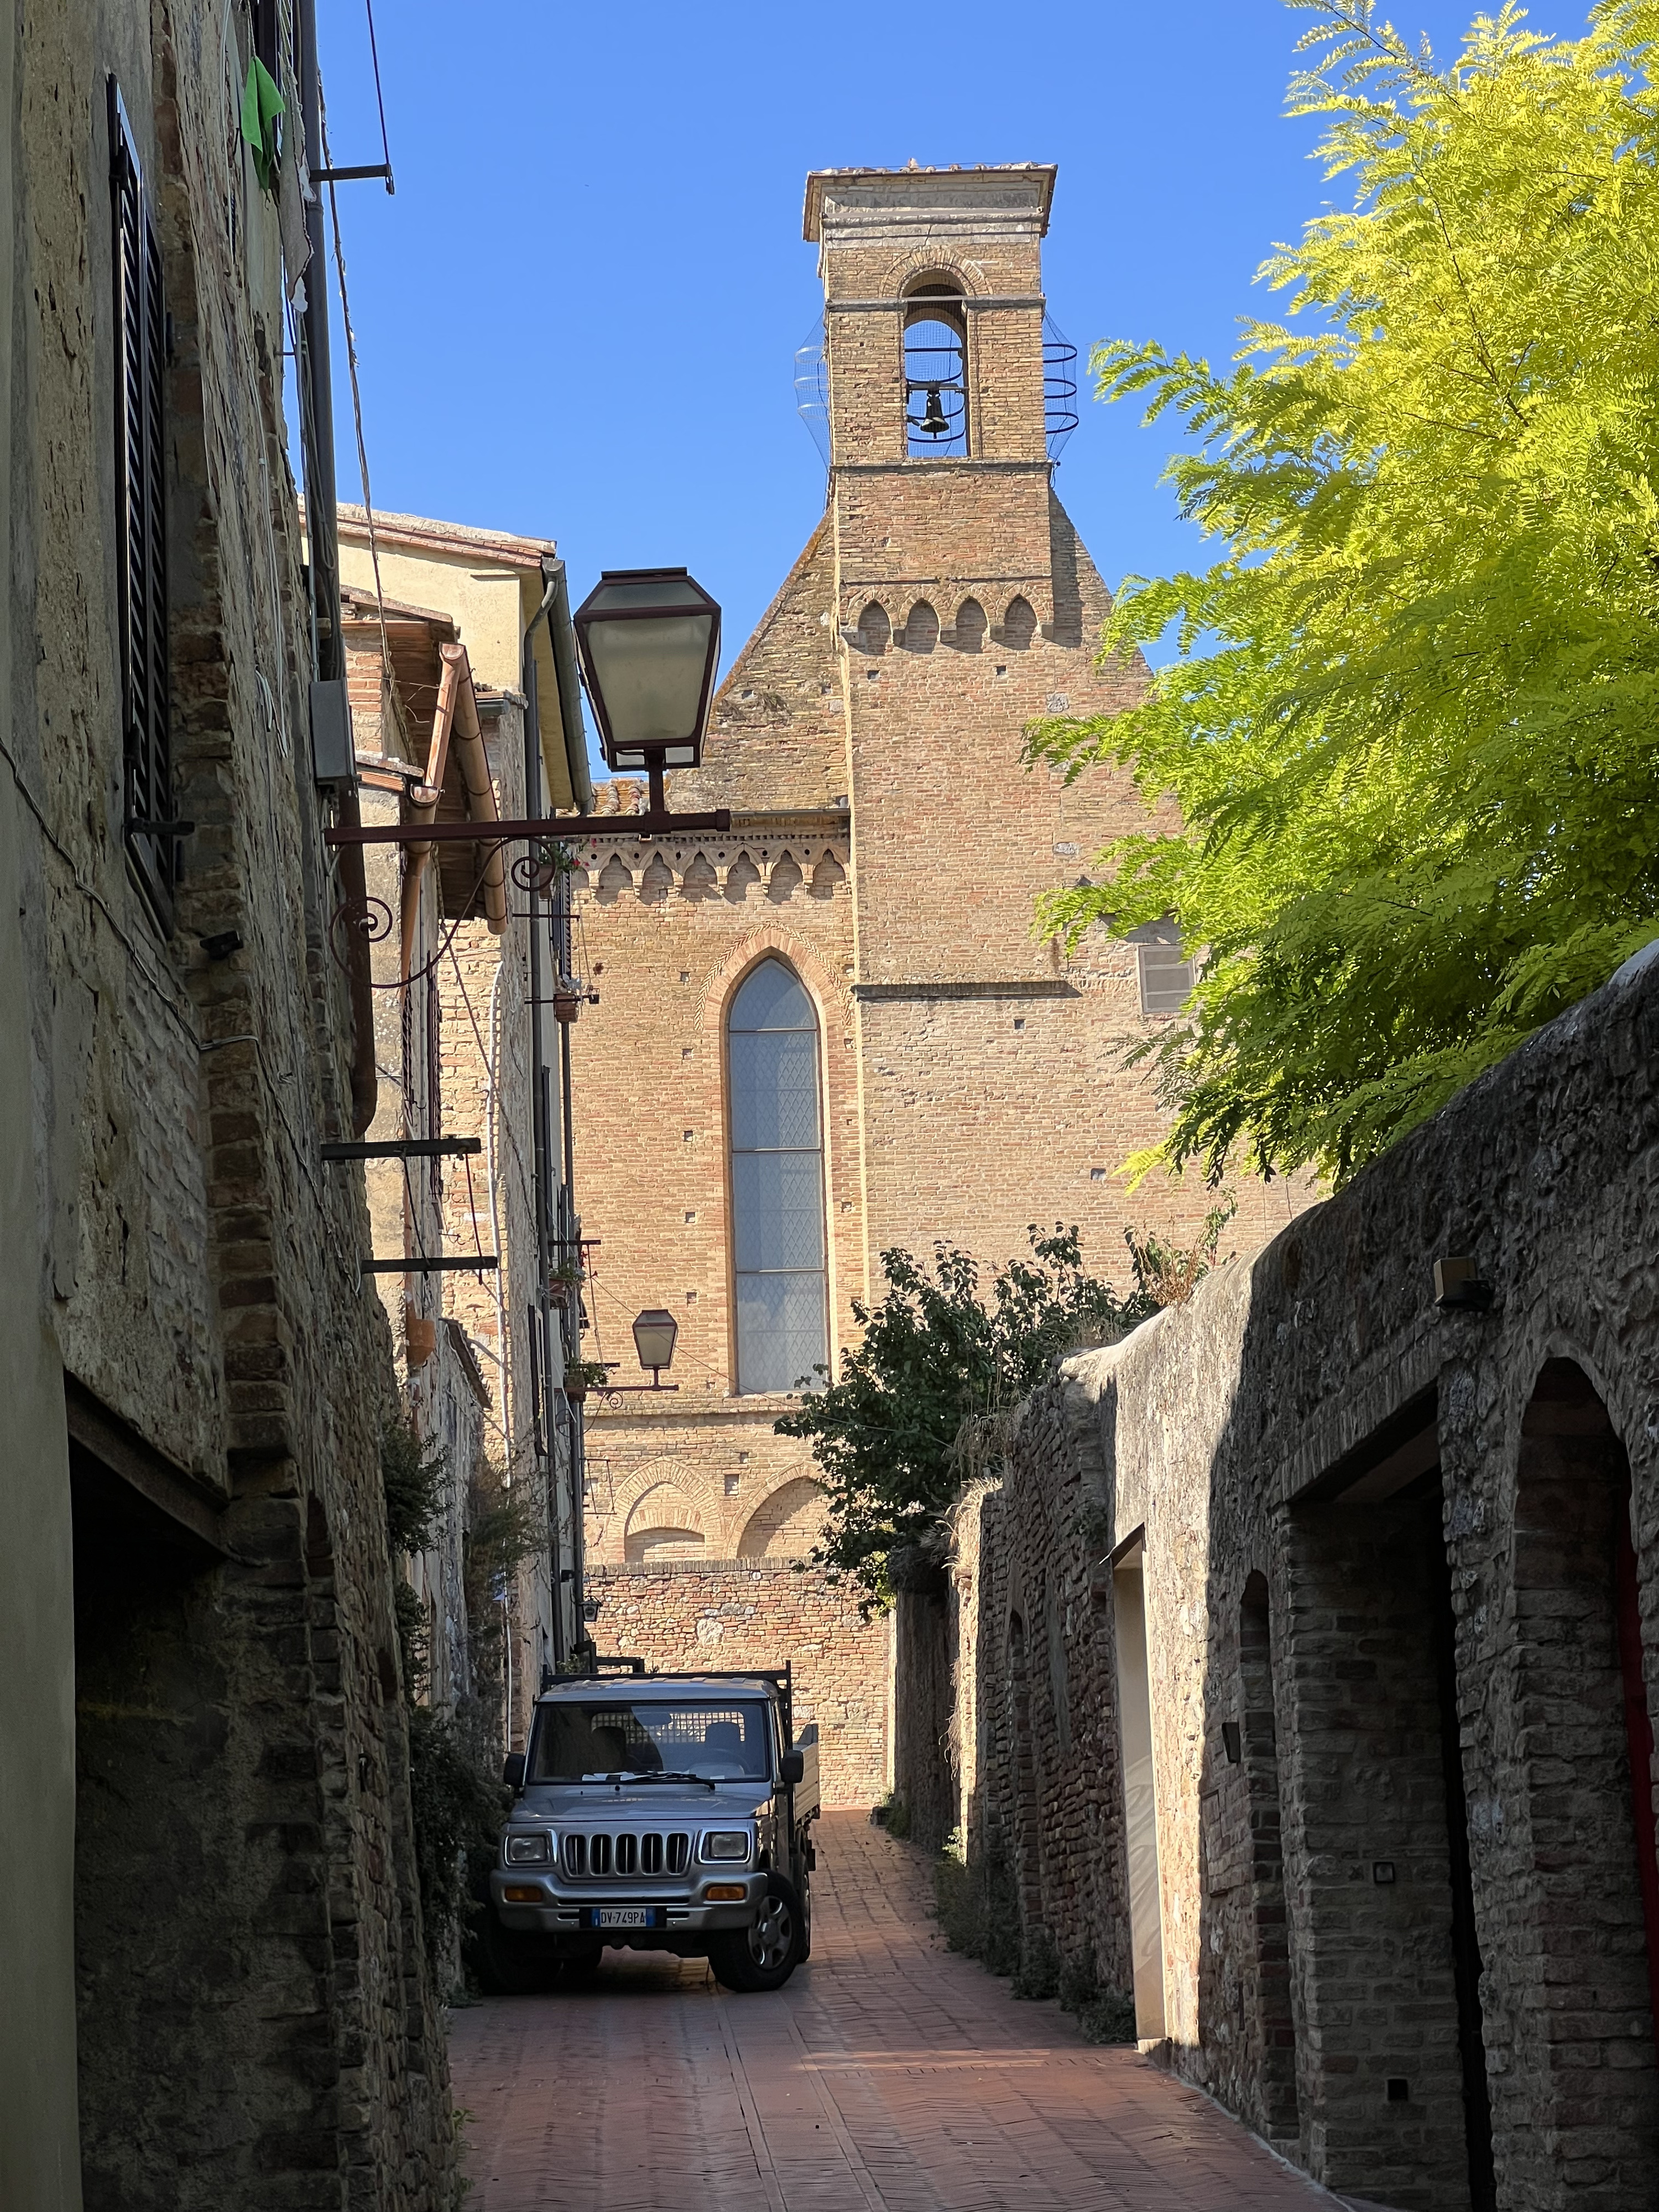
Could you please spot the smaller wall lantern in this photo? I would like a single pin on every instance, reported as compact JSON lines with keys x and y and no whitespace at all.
{"x":654,"y":1333}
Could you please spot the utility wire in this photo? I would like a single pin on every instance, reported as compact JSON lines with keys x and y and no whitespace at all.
{"x":379,"y":102}
{"x":389,"y":688}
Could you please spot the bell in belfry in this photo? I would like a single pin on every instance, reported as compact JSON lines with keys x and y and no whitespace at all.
{"x":933,"y":424}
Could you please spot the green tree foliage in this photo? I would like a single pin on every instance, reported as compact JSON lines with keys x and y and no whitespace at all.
{"x":1411,"y":731}
{"x":458,"y":1813}
{"x":934,"y":1356}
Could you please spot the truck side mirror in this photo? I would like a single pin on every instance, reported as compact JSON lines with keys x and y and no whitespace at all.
{"x":792,"y":1767}
{"x":513,"y":1771}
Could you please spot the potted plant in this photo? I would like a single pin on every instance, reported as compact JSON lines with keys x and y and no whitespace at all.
{"x":568,"y":997}
{"x":581,"y":1376}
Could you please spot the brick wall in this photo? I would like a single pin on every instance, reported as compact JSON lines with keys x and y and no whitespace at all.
{"x":888,"y":843}
{"x":743,"y":1612}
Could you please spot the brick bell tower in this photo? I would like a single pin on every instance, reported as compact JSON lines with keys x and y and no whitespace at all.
{"x":831,"y":1031}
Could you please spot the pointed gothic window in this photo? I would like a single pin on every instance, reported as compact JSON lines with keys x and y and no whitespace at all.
{"x":777,"y":1182}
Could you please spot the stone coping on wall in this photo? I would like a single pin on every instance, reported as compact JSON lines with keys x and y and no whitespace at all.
{"x":757,"y":1406}
{"x":617,"y":1570}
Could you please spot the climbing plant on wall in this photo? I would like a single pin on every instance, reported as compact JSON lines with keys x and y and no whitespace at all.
{"x":933,"y":1357}
{"x":1412,"y":726}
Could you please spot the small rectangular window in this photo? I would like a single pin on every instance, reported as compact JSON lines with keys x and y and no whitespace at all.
{"x":1166,"y":978}
{"x":140,"y":520}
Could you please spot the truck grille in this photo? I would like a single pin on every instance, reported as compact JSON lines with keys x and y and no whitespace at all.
{"x":603,"y":1857}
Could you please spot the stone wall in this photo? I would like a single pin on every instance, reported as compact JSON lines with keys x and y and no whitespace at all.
{"x":255,"y":2020}
{"x":1400,"y":1571}
{"x":751,"y":1613}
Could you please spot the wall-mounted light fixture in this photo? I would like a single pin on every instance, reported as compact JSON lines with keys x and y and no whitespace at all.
{"x":648,"y":640}
{"x":655,"y":1332}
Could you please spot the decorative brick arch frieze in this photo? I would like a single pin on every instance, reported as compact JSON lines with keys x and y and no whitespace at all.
{"x":997,"y":596}
{"x":624,"y":866}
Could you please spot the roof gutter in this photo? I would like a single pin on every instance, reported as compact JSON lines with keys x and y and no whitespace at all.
{"x":455,"y":721}
{"x":562,"y":638}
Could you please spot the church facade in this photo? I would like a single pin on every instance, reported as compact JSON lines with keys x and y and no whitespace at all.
{"x":833,"y":1030}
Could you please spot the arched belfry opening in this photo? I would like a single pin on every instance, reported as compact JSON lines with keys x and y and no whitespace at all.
{"x":935,"y":327}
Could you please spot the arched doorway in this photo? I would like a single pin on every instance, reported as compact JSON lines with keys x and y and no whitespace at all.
{"x":1583,"y":2087}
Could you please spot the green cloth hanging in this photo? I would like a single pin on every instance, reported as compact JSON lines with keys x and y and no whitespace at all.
{"x":261,"y":105}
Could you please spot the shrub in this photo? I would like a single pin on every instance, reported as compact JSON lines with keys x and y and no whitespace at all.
{"x":893,"y":1815}
{"x":1104,"y":2013}
{"x":414,"y":1484}
{"x":456,"y":1815}
{"x":1037,"y":1974}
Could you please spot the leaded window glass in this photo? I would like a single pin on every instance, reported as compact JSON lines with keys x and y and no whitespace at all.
{"x":777,"y":1182}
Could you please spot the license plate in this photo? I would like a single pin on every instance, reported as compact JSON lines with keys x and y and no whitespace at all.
{"x":622,"y":1915}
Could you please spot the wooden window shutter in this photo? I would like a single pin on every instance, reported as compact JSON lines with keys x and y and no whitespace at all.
{"x":140,"y":524}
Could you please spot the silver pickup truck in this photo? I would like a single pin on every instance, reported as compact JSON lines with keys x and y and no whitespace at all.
{"x":658,"y":1812}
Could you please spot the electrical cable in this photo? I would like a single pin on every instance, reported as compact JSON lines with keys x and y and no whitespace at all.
{"x":389,"y":687}
{"x":379,"y":102}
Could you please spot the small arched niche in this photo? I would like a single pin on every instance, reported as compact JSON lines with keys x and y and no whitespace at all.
{"x":875,"y":631}
{"x":700,"y":881}
{"x":920,"y":628}
{"x":935,"y":349}
{"x":968,"y":634}
{"x":1018,"y":625}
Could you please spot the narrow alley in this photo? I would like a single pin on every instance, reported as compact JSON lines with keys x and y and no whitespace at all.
{"x":888,"y":2075}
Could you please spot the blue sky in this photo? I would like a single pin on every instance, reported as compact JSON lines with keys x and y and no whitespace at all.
{"x":577,"y":317}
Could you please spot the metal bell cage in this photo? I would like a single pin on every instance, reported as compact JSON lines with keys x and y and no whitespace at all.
{"x":936,"y":379}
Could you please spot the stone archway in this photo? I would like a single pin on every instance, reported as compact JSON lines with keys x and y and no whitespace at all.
{"x":1582,"y":2081}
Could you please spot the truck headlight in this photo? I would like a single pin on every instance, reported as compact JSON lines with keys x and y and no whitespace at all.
{"x":528,"y":1850}
{"x":729,"y":1845}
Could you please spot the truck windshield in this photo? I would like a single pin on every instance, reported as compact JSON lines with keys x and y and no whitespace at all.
{"x":713,"y":1743}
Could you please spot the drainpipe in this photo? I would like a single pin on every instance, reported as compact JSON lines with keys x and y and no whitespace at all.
{"x":535,"y":806}
{"x":322,"y":534}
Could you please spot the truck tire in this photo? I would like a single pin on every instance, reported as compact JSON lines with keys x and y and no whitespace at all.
{"x":747,"y":1959}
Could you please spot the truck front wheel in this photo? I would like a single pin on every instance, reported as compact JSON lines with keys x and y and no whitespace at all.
{"x":764,"y":1956}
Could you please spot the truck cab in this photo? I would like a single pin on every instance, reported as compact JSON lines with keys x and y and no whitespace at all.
{"x":661,"y":1813}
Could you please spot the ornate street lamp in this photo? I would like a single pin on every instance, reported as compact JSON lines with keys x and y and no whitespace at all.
{"x":654,"y":1331}
{"x":649,"y":639}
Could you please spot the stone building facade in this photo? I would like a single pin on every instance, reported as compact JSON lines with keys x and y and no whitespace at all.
{"x":452,"y":1021}
{"x":1297,"y":1674}
{"x":886,"y":848}
{"x":216,"y":1987}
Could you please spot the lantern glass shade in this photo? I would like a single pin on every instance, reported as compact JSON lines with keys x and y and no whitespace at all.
{"x":649,"y":639}
{"x":654,"y":1333}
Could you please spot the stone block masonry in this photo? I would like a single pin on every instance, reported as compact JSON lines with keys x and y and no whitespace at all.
{"x":221,"y":1895}
{"x":742,"y":1613}
{"x":1382,"y":1581}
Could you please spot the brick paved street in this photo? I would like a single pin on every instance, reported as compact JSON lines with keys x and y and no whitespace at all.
{"x":889,"y":2076}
